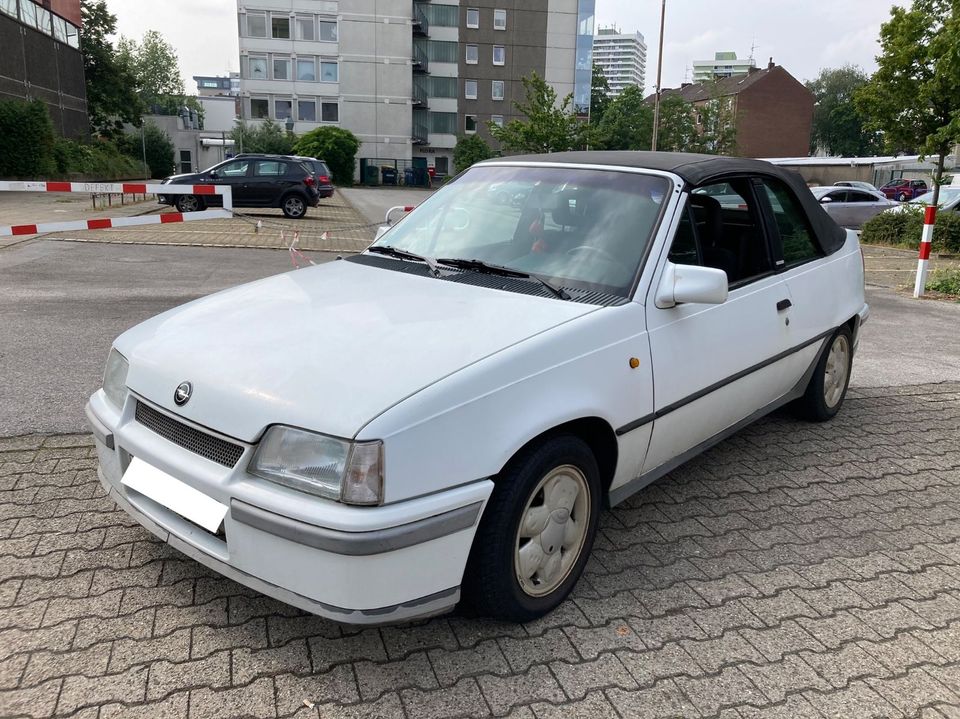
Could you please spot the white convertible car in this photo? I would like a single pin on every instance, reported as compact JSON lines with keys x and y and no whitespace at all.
{"x":443,"y":416}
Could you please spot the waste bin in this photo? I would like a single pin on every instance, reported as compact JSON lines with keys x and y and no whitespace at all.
{"x":372,"y":177}
{"x":408,"y":176}
{"x":388,"y":175}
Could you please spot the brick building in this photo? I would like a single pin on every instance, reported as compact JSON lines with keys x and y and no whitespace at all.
{"x":773,"y":110}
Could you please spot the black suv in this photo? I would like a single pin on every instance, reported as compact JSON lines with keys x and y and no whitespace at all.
{"x":321,"y":173}
{"x":256,"y":181}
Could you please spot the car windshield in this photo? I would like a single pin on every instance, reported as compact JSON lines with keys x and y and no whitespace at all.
{"x":947,"y":194}
{"x":579,"y":228}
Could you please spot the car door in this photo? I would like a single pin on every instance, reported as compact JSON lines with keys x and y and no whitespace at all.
{"x":267,"y":182}
{"x":715,"y":365}
{"x":235,"y":173}
{"x":862,"y":206}
{"x":836,"y":206}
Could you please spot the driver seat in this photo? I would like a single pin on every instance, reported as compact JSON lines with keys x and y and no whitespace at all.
{"x":709,"y":217}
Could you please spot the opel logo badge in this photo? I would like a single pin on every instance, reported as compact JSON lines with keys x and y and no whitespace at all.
{"x":182,"y":394}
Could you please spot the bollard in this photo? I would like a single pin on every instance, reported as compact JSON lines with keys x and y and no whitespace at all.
{"x":929,"y":219}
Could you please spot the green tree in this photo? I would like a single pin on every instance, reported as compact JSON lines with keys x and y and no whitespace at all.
{"x":678,"y":126}
{"x":627,"y":123}
{"x":470,"y":149}
{"x":599,"y":95}
{"x":267,"y":136}
{"x":547,"y":127}
{"x":716,"y":126}
{"x":155,"y":66}
{"x":157,"y":146}
{"x":914,"y":96}
{"x":26,"y":139}
{"x":336,"y":146}
{"x":838,"y":126}
{"x":110,"y":83}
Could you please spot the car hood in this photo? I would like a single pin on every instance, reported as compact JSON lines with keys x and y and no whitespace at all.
{"x":181,"y":179}
{"x":326,"y":348}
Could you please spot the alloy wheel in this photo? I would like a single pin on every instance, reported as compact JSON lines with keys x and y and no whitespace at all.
{"x":836,"y":370}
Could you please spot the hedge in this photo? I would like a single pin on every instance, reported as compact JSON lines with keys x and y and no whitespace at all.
{"x":903,"y":229}
{"x":26,"y":139}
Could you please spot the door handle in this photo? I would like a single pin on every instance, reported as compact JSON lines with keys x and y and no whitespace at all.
{"x":783,"y":304}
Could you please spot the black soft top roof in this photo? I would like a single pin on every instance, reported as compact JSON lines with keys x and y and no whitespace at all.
{"x":696,"y":170}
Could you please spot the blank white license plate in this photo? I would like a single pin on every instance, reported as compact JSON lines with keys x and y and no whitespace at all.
{"x":173,"y":494}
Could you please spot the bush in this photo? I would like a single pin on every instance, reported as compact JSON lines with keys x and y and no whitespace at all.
{"x":903,"y":229}
{"x":267,"y":137}
{"x":946,"y":280}
{"x":100,"y":160}
{"x":26,"y":139}
{"x":470,"y":150}
{"x":336,"y":146}
{"x":159,"y":149}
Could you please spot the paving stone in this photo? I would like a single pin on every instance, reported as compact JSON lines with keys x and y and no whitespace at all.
{"x":11,"y":670}
{"x":657,"y":632}
{"x":484,"y":658}
{"x":832,"y":631}
{"x":463,"y":699}
{"x":503,"y":693}
{"x":594,"y":706}
{"x":713,"y":692}
{"x":96,"y":630}
{"x":662,"y":700}
{"x":714,"y":653}
{"x":388,"y":706}
{"x":46,"y":665}
{"x":173,"y":707}
{"x":778,"y":679}
{"x":79,"y":691}
{"x":326,"y":652}
{"x":577,"y":679}
{"x":856,"y":700}
{"x":174,"y":647}
{"x":414,"y":671}
{"x":402,"y":640}
{"x":591,"y":642}
{"x":170,"y":618}
{"x":206,"y":640}
{"x":16,"y":641}
{"x":38,"y":701}
{"x":554,"y":644}
{"x":338,"y":685}
{"x":167,"y":677}
{"x":256,"y":699}
{"x":61,"y":609}
{"x":912,"y":692}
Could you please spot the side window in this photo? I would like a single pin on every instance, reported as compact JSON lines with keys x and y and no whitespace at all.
{"x":860,"y":197}
{"x":728,"y":231}
{"x":795,"y":235}
{"x":684,"y":250}
{"x":270,"y":168}
{"x":233,"y":169}
{"x":839,"y":196}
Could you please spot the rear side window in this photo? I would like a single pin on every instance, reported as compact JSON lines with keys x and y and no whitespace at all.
{"x":795,"y":234}
{"x":270,"y":168}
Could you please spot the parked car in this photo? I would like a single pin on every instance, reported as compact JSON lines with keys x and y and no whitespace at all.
{"x":904,"y":189}
{"x":444,"y":415}
{"x":856,"y":183}
{"x":255,"y":181}
{"x":322,"y":174}
{"x":851,"y":207}
{"x":949,"y":200}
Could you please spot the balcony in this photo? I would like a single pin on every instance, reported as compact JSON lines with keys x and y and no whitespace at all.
{"x":420,"y":61}
{"x":419,"y":93}
{"x":421,"y":26}
{"x":421,"y":127}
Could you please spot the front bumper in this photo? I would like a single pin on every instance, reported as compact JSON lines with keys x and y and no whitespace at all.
{"x":355,"y":565}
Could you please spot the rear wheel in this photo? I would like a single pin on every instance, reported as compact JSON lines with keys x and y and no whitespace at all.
{"x":293,"y":206}
{"x":828,"y":386}
{"x":536,"y":532}
{"x":902,"y":197}
{"x":189,"y":203}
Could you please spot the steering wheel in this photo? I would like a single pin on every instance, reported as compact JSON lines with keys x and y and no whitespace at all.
{"x":463,"y":215}
{"x":596,"y":250}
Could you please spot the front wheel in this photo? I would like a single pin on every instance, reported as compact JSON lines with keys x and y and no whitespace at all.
{"x":293,"y":207}
{"x":828,"y":386}
{"x":536,"y":532}
{"x":189,"y":203}
{"x":902,"y":197}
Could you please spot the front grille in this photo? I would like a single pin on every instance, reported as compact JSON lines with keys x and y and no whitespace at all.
{"x":213,"y":448}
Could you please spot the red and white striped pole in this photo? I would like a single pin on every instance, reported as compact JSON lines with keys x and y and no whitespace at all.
{"x":929,"y":218}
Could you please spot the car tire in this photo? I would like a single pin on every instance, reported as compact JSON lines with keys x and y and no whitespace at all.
{"x":189,"y":203}
{"x":831,"y":377}
{"x":548,"y":500}
{"x":294,"y":206}
{"x":902,"y":197}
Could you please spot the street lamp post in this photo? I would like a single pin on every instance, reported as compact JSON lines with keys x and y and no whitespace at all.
{"x":656,"y":102}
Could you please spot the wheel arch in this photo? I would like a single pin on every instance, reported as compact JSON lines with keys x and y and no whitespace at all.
{"x":597,"y":434}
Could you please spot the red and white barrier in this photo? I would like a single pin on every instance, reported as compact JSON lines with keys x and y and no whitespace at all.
{"x":929,"y":218}
{"x":405,"y":208}
{"x":117,"y":188}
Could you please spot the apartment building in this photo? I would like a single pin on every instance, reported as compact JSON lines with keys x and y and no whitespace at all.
{"x":622,"y":57}
{"x":724,"y":64}
{"x":408,"y":78}
{"x":40,"y":60}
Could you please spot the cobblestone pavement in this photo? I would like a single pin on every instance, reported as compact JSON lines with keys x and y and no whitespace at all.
{"x":795,"y":570}
{"x":332,"y":226}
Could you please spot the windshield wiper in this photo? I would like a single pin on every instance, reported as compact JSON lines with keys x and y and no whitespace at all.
{"x":404,"y":255}
{"x":481,"y":266}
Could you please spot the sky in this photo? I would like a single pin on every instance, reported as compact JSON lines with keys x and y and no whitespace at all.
{"x":802,"y":36}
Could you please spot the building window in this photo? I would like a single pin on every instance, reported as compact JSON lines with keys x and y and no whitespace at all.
{"x":470,"y":89}
{"x":473,"y":54}
{"x":305,"y":28}
{"x":328,"y":31}
{"x":496,"y":90}
{"x":329,"y":112}
{"x":186,"y":161}
{"x":280,"y":27}
{"x":59,"y":25}
{"x":499,"y":55}
{"x":329,"y":72}
{"x":256,"y":24}
{"x":473,"y":17}
{"x":441,"y":86}
{"x":73,"y":35}
{"x":28,"y":14}
{"x":497,"y":120}
{"x":257,"y":68}
{"x":282,"y":109}
{"x":499,"y":19}
{"x":9,"y":7}
{"x":259,"y":108}
{"x":442,"y":165}
{"x":307,"y":69}
{"x":307,"y":110}
{"x":470,"y":124}
{"x":281,"y":68}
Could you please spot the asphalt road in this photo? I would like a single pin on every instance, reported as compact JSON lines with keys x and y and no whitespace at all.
{"x":63,"y":303}
{"x":373,"y":202}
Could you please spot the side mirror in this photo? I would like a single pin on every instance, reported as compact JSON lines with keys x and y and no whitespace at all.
{"x":381,"y":231}
{"x":214,"y":174}
{"x":691,"y":283}
{"x":825,"y":200}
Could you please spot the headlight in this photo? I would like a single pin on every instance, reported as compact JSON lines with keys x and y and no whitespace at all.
{"x":350,"y":472}
{"x":115,"y":378}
